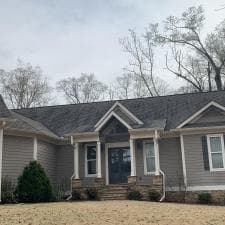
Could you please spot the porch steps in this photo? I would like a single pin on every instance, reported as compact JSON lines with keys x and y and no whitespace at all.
{"x":114,"y":192}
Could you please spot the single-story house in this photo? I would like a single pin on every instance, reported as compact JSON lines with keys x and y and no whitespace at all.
{"x":173,"y":144}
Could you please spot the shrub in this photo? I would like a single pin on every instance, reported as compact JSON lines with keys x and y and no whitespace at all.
{"x":134,"y":195}
{"x":34,"y":185}
{"x":76,"y":195}
{"x":92,"y":194}
{"x":204,"y":198}
{"x":7,"y":190}
{"x":154,"y":196}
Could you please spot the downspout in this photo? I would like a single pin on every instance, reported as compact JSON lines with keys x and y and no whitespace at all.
{"x":159,"y":171}
{"x":71,"y":178}
{"x":164,"y":186}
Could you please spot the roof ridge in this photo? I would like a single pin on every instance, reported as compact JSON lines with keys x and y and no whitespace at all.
{"x":121,"y":100}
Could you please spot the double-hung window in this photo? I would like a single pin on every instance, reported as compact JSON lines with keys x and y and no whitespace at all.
{"x":216,"y":152}
{"x":90,"y":160}
{"x":149,"y":157}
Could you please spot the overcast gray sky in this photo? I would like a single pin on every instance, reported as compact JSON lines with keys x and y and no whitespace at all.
{"x":67,"y":37}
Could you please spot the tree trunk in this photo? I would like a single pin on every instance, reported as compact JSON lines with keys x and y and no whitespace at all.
{"x":218,"y":79}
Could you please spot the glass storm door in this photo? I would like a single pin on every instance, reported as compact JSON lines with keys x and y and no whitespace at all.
{"x":119,"y":164}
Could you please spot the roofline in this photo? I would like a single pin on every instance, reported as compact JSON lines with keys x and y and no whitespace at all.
{"x":108,"y":117}
{"x":212,"y":103}
{"x":129,"y":114}
{"x":120,"y":100}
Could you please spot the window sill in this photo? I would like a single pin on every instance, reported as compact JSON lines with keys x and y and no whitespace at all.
{"x":149,"y":174}
{"x":91,"y":175}
{"x":217,"y":170}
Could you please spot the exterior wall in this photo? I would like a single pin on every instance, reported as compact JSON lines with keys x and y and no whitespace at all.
{"x":141,"y":177}
{"x":171,"y":161}
{"x":196,"y":174}
{"x":64,"y":166}
{"x":89,"y":181}
{"x":46,"y":156}
{"x":17,"y":153}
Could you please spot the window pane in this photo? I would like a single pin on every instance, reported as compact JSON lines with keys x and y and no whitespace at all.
{"x":91,"y":152}
{"x":217,"y":160}
{"x":215,"y":144}
{"x":150,"y":164}
{"x":149,"y":150}
{"x":92,"y":167}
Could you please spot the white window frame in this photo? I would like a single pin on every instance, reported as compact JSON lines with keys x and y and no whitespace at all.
{"x":210,"y":153}
{"x":144,"y":157}
{"x":86,"y":160}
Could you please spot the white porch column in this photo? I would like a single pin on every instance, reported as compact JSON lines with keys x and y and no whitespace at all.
{"x":76,"y":160}
{"x":35,"y":150}
{"x":1,"y":149}
{"x":132,"y":158}
{"x":99,"y":162}
{"x":156,"y":149}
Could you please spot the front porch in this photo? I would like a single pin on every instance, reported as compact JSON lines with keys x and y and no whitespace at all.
{"x":130,"y":163}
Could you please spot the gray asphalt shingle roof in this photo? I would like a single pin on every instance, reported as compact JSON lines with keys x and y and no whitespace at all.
{"x":4,"y":111}
{"x":164,"y":111}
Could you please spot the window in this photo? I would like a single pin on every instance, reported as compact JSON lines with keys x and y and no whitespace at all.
{"x":90,"y":160}
{"x":216,"y":152}
{"x":149,"y":157}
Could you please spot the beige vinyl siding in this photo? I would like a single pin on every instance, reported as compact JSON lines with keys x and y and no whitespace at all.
{"x":17,"y":153}
{"x":171,"y":161}
{"x":196,"y":174}
{"x":46,"y":156}
{"x":64,"y":166}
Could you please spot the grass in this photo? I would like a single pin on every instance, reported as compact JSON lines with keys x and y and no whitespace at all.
{"x":111,"y":212}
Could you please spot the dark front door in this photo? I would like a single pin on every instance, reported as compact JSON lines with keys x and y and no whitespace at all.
{"x":119,"y":164}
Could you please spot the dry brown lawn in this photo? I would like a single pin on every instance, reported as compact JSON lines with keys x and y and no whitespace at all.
{"x":111,"y":212}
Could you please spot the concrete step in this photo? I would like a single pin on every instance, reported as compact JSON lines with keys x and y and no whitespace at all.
{"x":114,"y":192}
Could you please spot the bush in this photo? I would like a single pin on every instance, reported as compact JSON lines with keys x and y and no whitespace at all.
{"x":92,"y":194}
{"x":34,"y":185}
{"x":134,"y":195}
{"x":204,"y":198}
{"x":8,"y":190}
{"x":76,"y":195}
{"x":154,"y":196}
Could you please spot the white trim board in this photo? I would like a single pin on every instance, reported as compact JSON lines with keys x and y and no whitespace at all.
{"x":212,"y":103}
{"x":210,"y":151}
{"x":207,"y":188}
{"x":86,"y":164}
{"x":124,"y":109}
{"x":111,"y":114}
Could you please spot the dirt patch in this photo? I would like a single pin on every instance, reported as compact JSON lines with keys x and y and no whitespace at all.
{"x":111,"y":212}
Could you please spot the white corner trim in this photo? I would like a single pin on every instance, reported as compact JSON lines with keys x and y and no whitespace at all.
{"x":1,"y":150}
{"x":206,"y":188}
{"x":35,"y":148}
{"x":86,"y":164}
{"x":212,"y":103}
{"x":98,"y":128}
{"x":124,"y":109}
{"x":210,"y":152}
{"x":183,"y":160}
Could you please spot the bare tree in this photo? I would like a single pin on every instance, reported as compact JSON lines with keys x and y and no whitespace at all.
{"x":141,"y":63}
{"x":25,"y":86}
{"x":193,"y":69}
{"x":85,"y":88}
{"x":185,"y":32}
{"x":123,"y":86}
